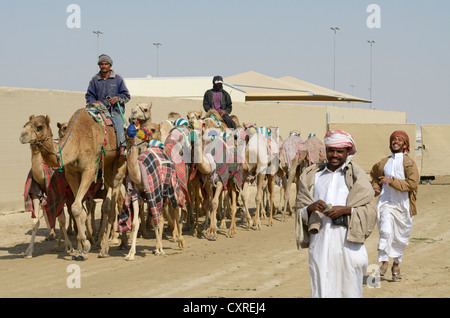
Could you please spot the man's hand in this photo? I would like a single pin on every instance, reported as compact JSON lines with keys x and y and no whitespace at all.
{"x":222,"y":112}
{"x":337,"y":210}
{"x":113,"y":100}
{"x":384,"y":180}
{"x":319,"y":206}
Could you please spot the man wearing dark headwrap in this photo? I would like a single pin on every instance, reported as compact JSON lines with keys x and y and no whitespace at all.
{"x":395,"y":179}
{"x":219,"y":99}
{"x":338,"y":196}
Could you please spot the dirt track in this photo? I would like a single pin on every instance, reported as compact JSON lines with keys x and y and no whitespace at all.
{"x":254,"y":264}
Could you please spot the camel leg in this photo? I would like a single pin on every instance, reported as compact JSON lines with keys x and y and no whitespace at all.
{"x":52,"y":235}
{"x":71,"y":226}
{"x":258,"y":200}
{"x":35,"y":225}
{"x":197,"y":198}
{"x":90,"y":221}
{"x":233,"y":195}
{"x":244,"y":196}
{"x":143,"y":226}
{"x":158,"y":233}
{"x":271,"y":186}
{"x":134,"y":231}
{"x":63,"y":230}
{"x":287,"y":194}
{"x":79,"y":213}
{"x":223,"y":210}
{"x":110,"y":215}
{"x":208,"y":200}
{"x":178,"y":225}
{"x":211,"y":233}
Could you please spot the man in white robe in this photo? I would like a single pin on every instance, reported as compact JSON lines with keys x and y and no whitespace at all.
{"x":395,"y":179}
{"x":336,"y":214}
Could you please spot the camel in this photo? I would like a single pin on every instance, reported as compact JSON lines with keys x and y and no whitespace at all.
{"x":261,"y":161}
{"x":40,"y":177}
{"x":167,"y":125}
{"x":88,"y":146}
{"x":214,"y":120}
{"x":316,"y":149}
{"x":193,"y":117}
{"x":177,"y":147}
{"x":141,"y":113}
{"x":221,"y":170}
{"x":162,"y":188}
{"x":294,"y":158}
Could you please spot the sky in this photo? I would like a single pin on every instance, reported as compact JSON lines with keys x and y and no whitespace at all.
{"x":50,"y":44}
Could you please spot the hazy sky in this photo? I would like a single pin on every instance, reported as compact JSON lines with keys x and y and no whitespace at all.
{"x":47,"y":44}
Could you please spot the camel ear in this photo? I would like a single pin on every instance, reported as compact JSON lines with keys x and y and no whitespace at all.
{"x":200,"y":113}
{"x":31,"y":118}
{"x":59,"y":125}
{"x":47,"y":118}
{"x":150,"y":104}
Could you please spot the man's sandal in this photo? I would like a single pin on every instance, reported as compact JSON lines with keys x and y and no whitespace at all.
{"x":396,"y":277}
{"x":382,"y":271}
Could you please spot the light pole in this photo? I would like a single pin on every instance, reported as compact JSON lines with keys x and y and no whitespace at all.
{"x":334,"y":58}
{"x":157,"y":57}
{"x":370,"y":89}
{"x":98,"y":35}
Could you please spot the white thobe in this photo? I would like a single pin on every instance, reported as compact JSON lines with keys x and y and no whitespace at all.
{"x":394,"y":218}
{"x":337,"y":266}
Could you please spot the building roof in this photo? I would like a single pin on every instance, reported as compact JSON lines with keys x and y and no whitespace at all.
{"x":259,"y":87}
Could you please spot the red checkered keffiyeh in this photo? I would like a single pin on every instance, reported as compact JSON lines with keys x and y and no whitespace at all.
{"x":178,"y":149}
{"x":159,"y":182}
{"x":292,"y":146}
{"x":229,"y":163}
{"x":57,"y":193}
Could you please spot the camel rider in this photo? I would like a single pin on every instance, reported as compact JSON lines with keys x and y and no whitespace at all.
{"x":109,"y":88}
{"x":219,"y":99}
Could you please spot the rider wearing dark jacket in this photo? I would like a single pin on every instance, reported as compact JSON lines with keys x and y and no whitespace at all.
{"x":219,"y":99}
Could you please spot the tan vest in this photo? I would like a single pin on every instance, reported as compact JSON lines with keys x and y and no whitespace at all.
{"x":410,"y":184}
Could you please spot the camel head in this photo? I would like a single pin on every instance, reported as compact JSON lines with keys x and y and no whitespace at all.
{"x":155,"y":131}
{"x":172,"y":116}
{"x":62,"y":129}
{"x":36,"y":130}
{"x":141,"y":113}
{"x":250,"y":129}
{"x":193,"y":115}
{"x":236,"y":121}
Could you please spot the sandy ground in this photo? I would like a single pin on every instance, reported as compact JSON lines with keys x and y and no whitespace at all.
{"x":252,"y":265}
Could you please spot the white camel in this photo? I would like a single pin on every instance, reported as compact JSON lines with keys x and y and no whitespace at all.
{"x":164,"y":188}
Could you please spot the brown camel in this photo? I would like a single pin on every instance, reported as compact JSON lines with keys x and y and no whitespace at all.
{"x":294,"y":158}
{"x":214,"y":120}
{"x":167,"y":125}
{"x":141,"y":113}
{"x":90,"y":202}
{"x":193,"y":117}
{"x":88,"y":146}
